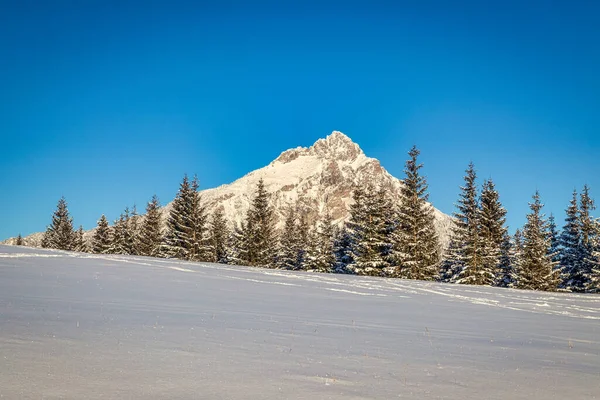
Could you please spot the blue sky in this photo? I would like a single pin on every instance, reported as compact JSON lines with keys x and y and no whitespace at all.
{"x":109,"y":102}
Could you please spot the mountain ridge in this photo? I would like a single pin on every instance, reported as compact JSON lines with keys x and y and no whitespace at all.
{"x":314,"y":179}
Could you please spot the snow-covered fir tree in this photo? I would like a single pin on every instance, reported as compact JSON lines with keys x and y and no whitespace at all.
{"x":219,"y":234}
{"x":134,"y":229}
{"x":19,"y":241}
{"x":200,"y":248}
{"x":186,"y":235}
{"x":102,"y":237}
{"x":492,"y":219}
{"x":515,"y":253}
{"x":238,"y":245}
{"x":594,"y":283}
{"x":121,"y":236}
{"x":80,"y":244}
{"x":589,"y":234}
{"x":414,"y":239}
{"x":287,"y":253}
{"x":505,"y":271}
{"x":60,"y":234}
{"x":464,"y":258}
{"x":570,"y":246}
{"x":150,"y":233}
{"x":535,"y":268}
{"x":323,"y":258}
{"x":554,"y":239}
{"x":259,"y":231}
{"x":305,"y":245}
{"x":342,"y":248}
{"x":368,"y":225}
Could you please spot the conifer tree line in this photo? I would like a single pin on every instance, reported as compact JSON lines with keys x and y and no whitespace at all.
{"x":382,"y":236}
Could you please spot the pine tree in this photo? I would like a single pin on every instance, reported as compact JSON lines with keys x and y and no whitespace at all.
{"x":237,"y":253}
{"x":200,"y":249}
{"x":415,"y":237}
{"x":323,"y":259}
{"x":80,"y":244}
{"x":368,"y":225}
{"x":134,"y":230}
{"x":554,"y":239}
{"x":259,"y":231}
{"x":60,"y":234}
{"x":570,"y":246}
{"x":287,"y":253}
{"x":588,"y":238}
{"x":150,"y":234}
{"x":305,"y":245}
{"x":536,"y":270}
{"x":465,"y":259}
{"x":19,"y":241}
{"x":505,"y":271}
{"x":218,"y":237}
{"x":342,"y":248}
{"x":119,"y":233}
{"x":492,"y":218}
{"x":182,"y":239}
{"x":515,"y":255}
{"x":102,"y":237}
{"x":594,"y":282}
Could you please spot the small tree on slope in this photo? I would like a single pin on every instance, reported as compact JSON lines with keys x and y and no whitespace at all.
{"x":219,"y":235}
{"x":415,"y":241}
{"x":150,"y":235}
{"x":60,"y":234}
{"x":492,"y":218}
{"x":259,"y":231}
{"x":102,"y":237}
{"x":536,"y":270}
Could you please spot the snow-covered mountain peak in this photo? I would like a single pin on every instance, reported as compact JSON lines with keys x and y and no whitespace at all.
{"x":336,"y":146}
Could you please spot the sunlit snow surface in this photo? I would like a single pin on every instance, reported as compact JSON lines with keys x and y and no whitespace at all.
{"x":85,"y":326}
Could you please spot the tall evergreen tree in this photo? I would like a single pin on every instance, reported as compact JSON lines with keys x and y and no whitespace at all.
{"x":323,"y":259}
{"x":200,"y":249}
{"x":594,"y":283}
{"x":368,"y":225}
{"x":259,"y":231}
{"x":492,"y":219}
{"x":60,"y":234}
{"x":536,"y":270}
{"x":570,"y":246}
{"x":238,"y":245}
{"x":120,"y":235}
{"x":134,"y":230}
{"x":305,"y":245}
{"x":589,"y":234}
{"x":342,"y":248}
{"x":102,"y":237}
{"x":80,"y":244}
{"x":219,"y":235}
{"x":150,"y":234}
{"x":505,"y":271}
{"x":186,"y":236}
{"x":465,"y":260}
{"x":19,"y":241}
{"x":287,"y":253}
{"x":415,"y":235}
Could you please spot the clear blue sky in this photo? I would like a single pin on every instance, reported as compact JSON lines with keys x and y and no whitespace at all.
{"x":109,"y":102}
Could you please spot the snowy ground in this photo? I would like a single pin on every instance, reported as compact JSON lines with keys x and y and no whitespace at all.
{"x":88,"y":327}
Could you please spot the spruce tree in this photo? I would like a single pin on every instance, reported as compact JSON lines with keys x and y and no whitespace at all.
{"x":570,"y":246}
{"x":102,"y":237}
{"x":238,"y":245}
{"x":492,"y":219}
{"x":515,"y":254}
{"x":150,"y":234}
{"x":305,"y":244}
{"x":342,"y":249}
{"x":588,"y":240}
{"x":323,"y":259}
{"x":134,"y":230}
{"x":19,"y":241}
{"x":536,"y":270}
{"x":80,"y":244}
{"x":119,"y":234}
{"x":200,"y":249}
{"x":60,"y":234}
{"x":260,"y":230}
{"x":505,"y":271}
{"x":184,"y":233}
{"x":369,"y":226}
{"x":219,"y":235}
{"x":287,"y":253}
{"x":465,"y":259}
{"x":415,"y":237}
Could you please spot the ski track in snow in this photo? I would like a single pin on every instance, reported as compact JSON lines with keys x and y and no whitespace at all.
{"x":587,"y":307}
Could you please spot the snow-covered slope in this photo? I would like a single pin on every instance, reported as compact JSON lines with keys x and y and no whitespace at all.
{"x":318,"y":178}
{"x":112,"y":327}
